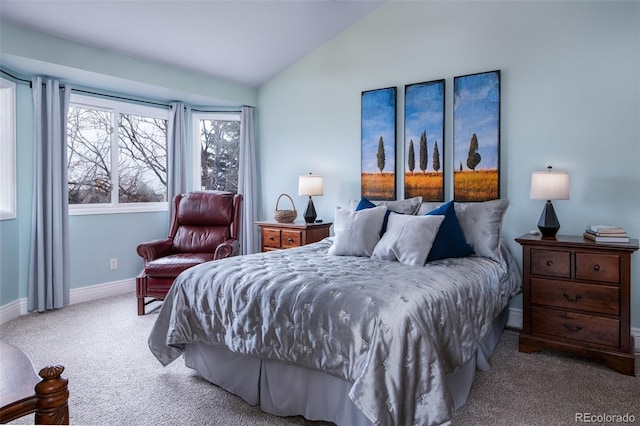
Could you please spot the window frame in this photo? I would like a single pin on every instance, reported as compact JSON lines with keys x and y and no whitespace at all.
{"x":8,"y":179}
{"x":196,"y":117}
{"x":116,"y":107}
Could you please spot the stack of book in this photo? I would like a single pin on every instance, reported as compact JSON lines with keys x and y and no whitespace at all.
{"x":606,"y":234}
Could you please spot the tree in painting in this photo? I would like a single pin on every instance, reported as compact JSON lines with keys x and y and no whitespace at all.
{"x":474,"y":158}
{"x":380,"y":155}
{"x":436,"y":157}
{"x":412,"y":157}
{"x":423,"y":151}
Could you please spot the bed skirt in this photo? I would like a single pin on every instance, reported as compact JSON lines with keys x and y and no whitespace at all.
{"x":289,"y":390}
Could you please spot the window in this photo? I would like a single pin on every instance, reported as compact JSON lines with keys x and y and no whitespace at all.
{"x":217,"y":141}
{"x":7,"y":149}
{"x":116,"y":156}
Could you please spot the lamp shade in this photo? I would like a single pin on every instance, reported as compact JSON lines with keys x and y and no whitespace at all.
{"x":549,"y":185}
{"x":310,"y":185}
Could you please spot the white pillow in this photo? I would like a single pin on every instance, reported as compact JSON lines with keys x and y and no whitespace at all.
{"x":356,"y":233}
{"x":481,"y":225}
{"x":408,"y":238}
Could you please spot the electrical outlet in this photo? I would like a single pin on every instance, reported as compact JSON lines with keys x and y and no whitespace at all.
{"x":113,"y":263}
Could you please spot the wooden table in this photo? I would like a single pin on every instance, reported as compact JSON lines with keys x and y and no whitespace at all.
{"x":577,"y":298}
{"x":22,"y":392}
{"x":278,"y":236}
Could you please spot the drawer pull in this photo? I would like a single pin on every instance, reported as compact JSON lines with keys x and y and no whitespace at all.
{"x":596,"y":268}
{"x":271,"y":238}
{"x":549,"y":263}
{"x":571,"y":329}
{"x":290,"y":240}
{"x":566,"y":296}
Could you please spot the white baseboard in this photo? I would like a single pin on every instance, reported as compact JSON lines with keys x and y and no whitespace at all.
{"x":515,"y":318}
{"x":515,"y":321}
{"x":76,"y":295}
{"x":12,"y":310}
{"x":98,"y":291}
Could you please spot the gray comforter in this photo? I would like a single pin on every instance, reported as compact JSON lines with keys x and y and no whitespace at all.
{"x":392,"y":330}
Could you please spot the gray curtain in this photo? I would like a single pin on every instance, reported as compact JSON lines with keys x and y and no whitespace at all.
{"x":177,"y":134}
{"x":49,"y":282}
{"x":246,"y":182}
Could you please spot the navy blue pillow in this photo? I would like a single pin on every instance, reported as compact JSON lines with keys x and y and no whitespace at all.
{"x":449,"y":240}
{"x":366,"y":204}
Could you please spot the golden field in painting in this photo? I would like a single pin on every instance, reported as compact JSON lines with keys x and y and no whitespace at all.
{"x":378,"y":186}
{"x":480,"y":185}
{"x":427,"y":185}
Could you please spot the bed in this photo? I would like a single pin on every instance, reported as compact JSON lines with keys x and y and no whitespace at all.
{"x":355,"y":329}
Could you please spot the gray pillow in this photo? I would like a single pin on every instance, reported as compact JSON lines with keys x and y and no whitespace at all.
{"x":408,"y":238}
{"x":408,"y":206}
{"x":481,"y":225}
{"x":356,"y":233}
{"x":428,"y":206}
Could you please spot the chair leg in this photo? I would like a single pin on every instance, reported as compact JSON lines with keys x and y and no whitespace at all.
{"x":141,"y":305}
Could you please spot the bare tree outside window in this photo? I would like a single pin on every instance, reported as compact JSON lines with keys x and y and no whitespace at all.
{"x":98,"y":138}
{"x":219,"y":152}
{"x":88,"y":155}
{"x":142,"y":160}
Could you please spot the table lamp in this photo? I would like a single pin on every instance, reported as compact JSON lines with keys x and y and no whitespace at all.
{"x":310,"y":185}
{"x":549,"y":185}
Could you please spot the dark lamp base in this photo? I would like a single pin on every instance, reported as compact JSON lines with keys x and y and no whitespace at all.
{"x":548,"y":223}
{"x":310,"y":214}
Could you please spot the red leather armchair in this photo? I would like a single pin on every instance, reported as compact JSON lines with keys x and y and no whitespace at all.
{"x":204,"y":227}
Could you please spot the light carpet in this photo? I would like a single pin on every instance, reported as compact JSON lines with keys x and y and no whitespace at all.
{"x":115,"y":380}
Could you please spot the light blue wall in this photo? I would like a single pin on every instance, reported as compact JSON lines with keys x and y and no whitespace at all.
{"x":94,"y":239}
{"x":570,"y":98}
{"x":14,"y":253}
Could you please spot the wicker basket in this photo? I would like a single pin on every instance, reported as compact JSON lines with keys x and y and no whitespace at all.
{"x":285,"y":216}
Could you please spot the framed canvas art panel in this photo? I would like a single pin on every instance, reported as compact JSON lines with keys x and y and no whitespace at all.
{"x":476,"y":137}
{"x":424,"y":140}
{"x":378,"y":144}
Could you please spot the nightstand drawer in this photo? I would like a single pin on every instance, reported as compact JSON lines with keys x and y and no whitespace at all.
{"x":291,"y":238}
{"x":598,"y":267}
{"x":552,"y":263}
{"x":271,"y":237}
{"x":571,"y":325}
{"x":571,"y":295}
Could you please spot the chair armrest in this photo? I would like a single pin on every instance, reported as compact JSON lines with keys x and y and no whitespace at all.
{"x":227,"y":249}
{"x":155,"y":249}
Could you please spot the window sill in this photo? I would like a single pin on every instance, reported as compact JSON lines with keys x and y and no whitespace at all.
{"x":6,"y":214}
{"x":79,"y":210}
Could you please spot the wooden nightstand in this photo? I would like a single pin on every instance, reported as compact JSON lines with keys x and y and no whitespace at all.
{"x":277,"y":236}
{"x":577,"y":298}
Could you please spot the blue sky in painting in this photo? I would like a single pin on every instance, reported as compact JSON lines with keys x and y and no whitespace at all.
{"x":476,"y":110}
{"x":424,"y":103}
{"x":378,"y":119}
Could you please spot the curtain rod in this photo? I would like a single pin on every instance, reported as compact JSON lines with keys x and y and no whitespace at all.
{"x":124,"y":98}
{"x":14,"y":77}
{"x":116,"y":96}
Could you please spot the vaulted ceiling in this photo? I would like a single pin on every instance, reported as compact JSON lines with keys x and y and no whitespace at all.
{"x":247,"y":42}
